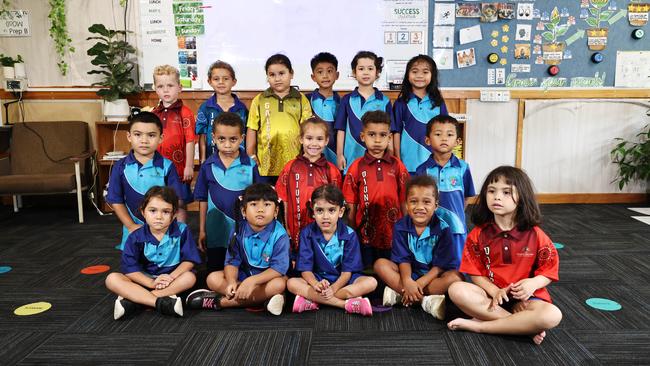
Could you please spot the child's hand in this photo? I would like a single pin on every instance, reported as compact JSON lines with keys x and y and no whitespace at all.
{"x":500,"y":297}
{"x":341,"y":163}
{"x":201,"y":241}
{"x":524,"y":289}
{"x":231,"y":289}
{"x":245,"y":290}
{"x":162,"y":281}
{"x":321,"y":286}
{"x":188,"y":173}
{"x":132,"y":228}
{"x":412,"y":293}
{"x":327,"y":293}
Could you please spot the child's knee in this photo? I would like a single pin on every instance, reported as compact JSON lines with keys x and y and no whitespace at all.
{"x":550,"y":317}
{"x":112,"y":279}
{"x":457,"y":291}
{"x":277,"y":285}
{"x":294,"y":284}
{"x":214,"y":280}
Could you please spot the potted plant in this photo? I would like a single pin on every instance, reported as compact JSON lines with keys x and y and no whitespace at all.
{"x":8,"y":66}
{"x":553,"y":50}
{"x":115,"y":58}
{"x":633,"y":159}
{"x":597,"y":36}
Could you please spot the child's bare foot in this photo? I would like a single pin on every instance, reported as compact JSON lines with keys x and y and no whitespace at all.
{"x":471,"y":325}
{"x":539,"y":338}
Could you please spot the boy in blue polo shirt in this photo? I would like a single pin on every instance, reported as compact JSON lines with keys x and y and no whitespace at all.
{"x":222,"y":179}
{"x":451,"y":174}
{"x":142,"y":169}
{"x":221,"y":77}
{"x":426,"y":252}
{"x":324,"y":100}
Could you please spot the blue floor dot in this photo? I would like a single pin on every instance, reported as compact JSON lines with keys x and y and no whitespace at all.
{"x":603,"y":304}
{"x":4,"y":269}
{"x":558,"y":245}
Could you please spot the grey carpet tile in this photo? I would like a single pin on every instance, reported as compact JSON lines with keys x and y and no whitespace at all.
{"x":396,"y":319}
{"x":14,"y":346}
{"x":631,"y":269}
{"x":245,"y":320}
{"x":384,"y":348}
{"x":267,"y":347}
{"x":581,"y":269}
{"x":113,"y":349}
{"x":614,"y":347}
{"x":23,"y":270}
{"x":67,"y":274}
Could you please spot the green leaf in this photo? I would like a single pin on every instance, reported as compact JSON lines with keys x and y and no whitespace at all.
{"x":594,"y":11}
{"x":99,"y":29}
{"x":548,"y":36}
{"x":605,"y":15}
{"x":593,"y":22}
{"x":561,"y":30}
{"x":555,"y":16}
{"x":549,"y":26}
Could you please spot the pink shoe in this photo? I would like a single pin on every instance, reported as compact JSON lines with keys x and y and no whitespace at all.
{"x":301,"y":304}
{"x":358,"y":305}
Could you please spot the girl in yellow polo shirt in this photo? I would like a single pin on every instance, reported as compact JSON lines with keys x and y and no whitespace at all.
{"x":274,"y":120}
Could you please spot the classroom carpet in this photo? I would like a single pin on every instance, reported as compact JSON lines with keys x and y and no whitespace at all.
{"x":605,"y":254}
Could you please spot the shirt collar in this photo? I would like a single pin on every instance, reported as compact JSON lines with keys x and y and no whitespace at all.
{"x":342,"y":232}
{"x":408,"y":226}
{"x":156,"y":161}
{"x":178,"y":104}
{"x":453,"y":161}
{"x":216,"y":159}
{"x":293,"y":93}
{"x":317,"y":95}
{"x":264,"y":235}
{"x":371,"y":159}
{"x":320,"y":162}
{"x":173,"y":231}
{"x":492,"y":230}
{"x":378,"y":94}
{"x":237,"y":106}
{"x":426,"y":97}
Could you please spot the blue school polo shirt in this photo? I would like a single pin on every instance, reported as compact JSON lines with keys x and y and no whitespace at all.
{"x":255,"y":252}
{"x":454,"y":183}
{"x":329,"y":258}
{"x":410,"y":121}
{"x":144,"y":253}
{"x":210,"y":110}
{"x":221,"y":187}
{"x":439,"y":245}
{"x":348,"y":118}
{"x":325,"y":109}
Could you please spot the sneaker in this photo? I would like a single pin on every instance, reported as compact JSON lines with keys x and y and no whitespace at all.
{"x":434,"y":305}
{"x":391,"y":297}
{"x":124,"y":307}
{"x":275,"y":304}
{"x":203,"y":299}
{"x":358,"y":305}
{"x":170,"y":305}
{"x":301,"y":304}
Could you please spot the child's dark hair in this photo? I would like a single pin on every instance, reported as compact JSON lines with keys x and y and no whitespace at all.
{"x":221,"y":65}
{"x":228,"y":119}
{"x":379,"y":61}
{"x":329,"y":193}
{"x":322,"y":58}
{"x":432,"y":89}
{"x":443,"y":118}
{"x":527,"y":213}
{"x":314,"y":121}
{"x":166,"y":194}
{"x":423,"y":181}
{"x":278,"y":59}
{"x":375,"y":117}
{"x":145,"y":117}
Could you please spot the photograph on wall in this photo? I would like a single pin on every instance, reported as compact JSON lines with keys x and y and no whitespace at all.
{"x":522,"y":51}
{"x":506,"y":10}
{"x":488,"y":12}
{"x":468,"y":10}
{"x":466,"y":58}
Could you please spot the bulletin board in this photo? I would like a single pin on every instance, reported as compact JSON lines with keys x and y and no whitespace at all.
{"x":529,"y":36}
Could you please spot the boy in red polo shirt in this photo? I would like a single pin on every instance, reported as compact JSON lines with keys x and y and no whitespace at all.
{"x":374,"y":189}
{"x":178,"y":129}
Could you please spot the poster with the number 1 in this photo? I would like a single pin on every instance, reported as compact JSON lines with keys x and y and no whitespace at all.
{"x":405,"y":33}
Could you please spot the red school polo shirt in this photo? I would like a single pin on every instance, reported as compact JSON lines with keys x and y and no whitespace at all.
{"x":178,"y":130}
{"x":511,"y":256}
{"x":377,"y":187}
{"x":297,"y":181}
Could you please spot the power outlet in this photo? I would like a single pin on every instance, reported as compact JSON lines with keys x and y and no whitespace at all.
{"x":495,"y":95}
{"x":15,"y":85}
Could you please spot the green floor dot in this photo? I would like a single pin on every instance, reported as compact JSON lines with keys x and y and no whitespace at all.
{"x":558,"y":245}
{"x":603,"y":304}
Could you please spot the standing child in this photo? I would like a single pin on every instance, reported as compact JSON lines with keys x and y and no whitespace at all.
{"x":178,"y":129}
{"x":222,"y":179}
{"x":303,"y":174}
{"x":256,"y":261}
{"x":157,"y":260}
{"x":374,"y":189}
{"x":330,"y":260}
{"x":366,"y":67}
{"x":221,"y":77}
{"x":452,"y":174}
{"x":142,"y":169}
{"x":418,"y":102}
{"x":510,"y":260}
{"x":274,"y":119}
{"x":426,"y":251}
{"x":324,"y":100}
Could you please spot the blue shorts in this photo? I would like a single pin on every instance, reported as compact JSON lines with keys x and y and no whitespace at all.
{"x":186,"y":194}
{"x":353,"y":278}
{"x":509,"y":305}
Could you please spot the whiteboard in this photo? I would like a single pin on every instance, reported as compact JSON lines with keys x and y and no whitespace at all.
{"x":632,"y":69}
{"x":246,"y":33}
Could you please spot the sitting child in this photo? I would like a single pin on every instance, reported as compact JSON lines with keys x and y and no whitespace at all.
{"x":157,"y":259}
{"x":330,"y":260}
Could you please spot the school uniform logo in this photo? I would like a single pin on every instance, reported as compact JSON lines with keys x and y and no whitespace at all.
{"x":525,"y":252}
{"x":453,"y":181}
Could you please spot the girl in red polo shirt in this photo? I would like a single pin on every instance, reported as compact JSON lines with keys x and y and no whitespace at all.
{"x":302,"y":175}
{"x":510,"y":260}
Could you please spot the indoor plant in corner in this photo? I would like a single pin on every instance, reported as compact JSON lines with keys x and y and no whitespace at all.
{"x":115,"y":58}
{"x":633,"y":159}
